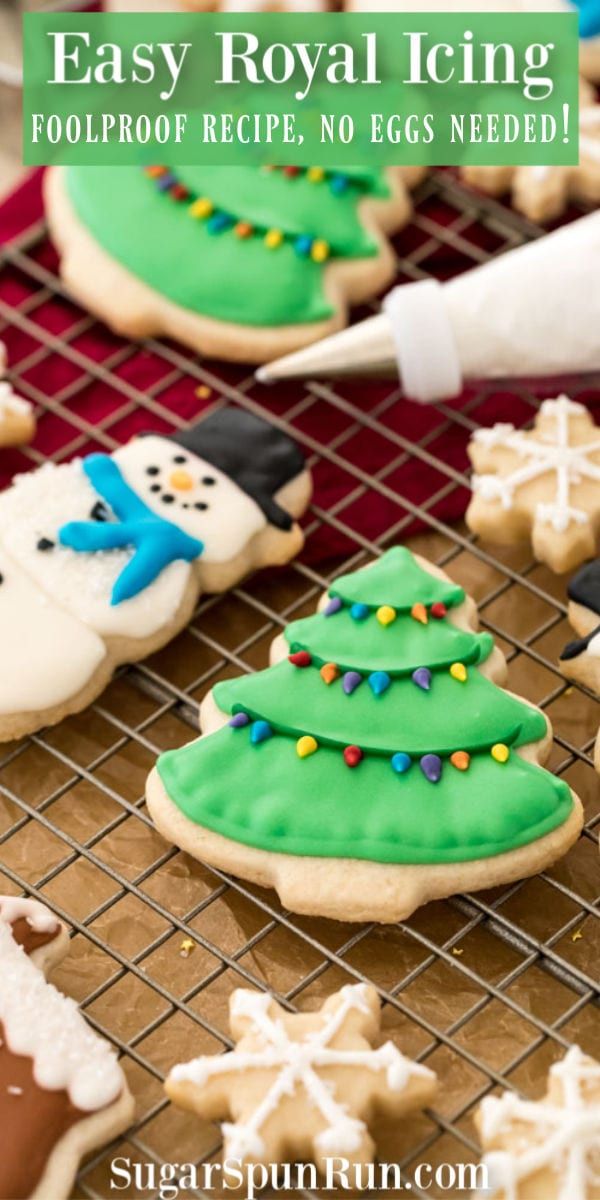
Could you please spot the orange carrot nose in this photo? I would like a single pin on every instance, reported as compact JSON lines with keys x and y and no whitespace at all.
{"x":182,"y":481}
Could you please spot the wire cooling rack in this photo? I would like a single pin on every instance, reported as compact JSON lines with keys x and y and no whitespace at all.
{"x":488,"y":989}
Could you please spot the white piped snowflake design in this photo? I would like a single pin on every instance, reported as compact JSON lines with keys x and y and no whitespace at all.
{"x":294,"y":1067}
{"x":542,"y":453}
{"x":559,"y":1134}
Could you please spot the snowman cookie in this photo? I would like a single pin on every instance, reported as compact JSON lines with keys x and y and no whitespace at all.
{"x":62,"y":1092}
{"x":102,"y":560}
{"x":242,"y":263}
{"x":580,"y":659}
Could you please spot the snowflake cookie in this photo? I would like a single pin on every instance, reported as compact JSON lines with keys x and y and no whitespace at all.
{"x":17,"y":421}
{"x":301,"y":1085}
{"x":549,"y":1149}
{"x":542,"y":483}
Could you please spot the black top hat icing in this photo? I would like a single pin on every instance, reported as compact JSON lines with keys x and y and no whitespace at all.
{"x":584,"y":587}
{"x":256,"y":455}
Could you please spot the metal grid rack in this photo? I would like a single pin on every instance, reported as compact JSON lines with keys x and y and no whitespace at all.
{"x":488,"y":988}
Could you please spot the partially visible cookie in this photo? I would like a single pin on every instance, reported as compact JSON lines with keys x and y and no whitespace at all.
{"x":547,"y":1149}
{"x":540,"y":485}
{"x":305,"y":1085}
{"x":17,"y":420}
{"x":580,"y":659}
{"x":62,"y":1091}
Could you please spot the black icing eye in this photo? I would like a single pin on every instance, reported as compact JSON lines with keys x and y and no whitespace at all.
{"x":99,"y":512}
{"x":209,"y":481}
{"x":167,"y":498}
{"x":152,"y":470}
{"x":156,"y":487}
{"x":45,"y":544}
{"x":200,"y":506}
{"x":179,"y":459}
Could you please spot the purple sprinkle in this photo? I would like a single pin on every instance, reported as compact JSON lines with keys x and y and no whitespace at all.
{"x":422,"y":678}
{"x":351,"y":681}
{"x":332,"y":607}
{"x":239,"y":721}
{"x":431,"y":766}
{"x":166,"y":181}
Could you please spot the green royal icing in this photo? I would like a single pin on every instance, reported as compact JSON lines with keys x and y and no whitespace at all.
{"x":266,"y":796}
{"x":220,"y":275}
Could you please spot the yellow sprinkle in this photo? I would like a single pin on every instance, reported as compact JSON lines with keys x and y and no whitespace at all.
{"x":316,"y":174}
{"x":500,"y":752}
{"x":418,"y":612}
{"x":305,"y":746}
{"x":386,"y":614}
{"x":577,"y":936}
{"x":320,"y":251}
{"x":459,"y":671}
{"x":273,"y":239}
{"x":201,"y":209}
{"x":203,"y":392}
{"x":186,"y":948}
{"x":569,"y":691}
{"x":457,"y":952}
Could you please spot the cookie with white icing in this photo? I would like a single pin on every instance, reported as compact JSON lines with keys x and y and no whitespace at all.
{"x":62,"y":1091}
{"x":540,"y":485}
{"x":17,"y":420}
{"x":580,"y":659}
{"x":305,"y":1085}
{"x":377,"y":764}
{"x":547,"y":1149}
{"x":102,"y":560}
{"x":543,"y":193}
{"x":239,"y":262}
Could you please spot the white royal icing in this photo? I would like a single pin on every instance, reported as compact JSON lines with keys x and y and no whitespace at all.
{"x":12,"y":405}
{"x":542,"y":454}
{"x":14,"y":908}
{"x":565,"y":1136}
{"x":47,"y":1027}
{"x":297,"y":1064}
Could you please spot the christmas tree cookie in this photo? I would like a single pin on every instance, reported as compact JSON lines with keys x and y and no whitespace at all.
{"x":243,"y":263}
{"x":376,"y":764}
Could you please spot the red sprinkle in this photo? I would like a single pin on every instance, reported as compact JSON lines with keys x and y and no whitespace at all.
{"x":291,"y":171}
{"x":301,"y":659}
{"x":438,"y":611}
{"x":352,"y":756}
{"x":180,"y":192}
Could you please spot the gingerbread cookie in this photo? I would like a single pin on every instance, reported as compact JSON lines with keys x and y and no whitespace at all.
{"x":351,"y":775}
{"x":540,"y":484}
{"x":543,"y":193}
{"x":243,"y":263}
{"x":102,"y":560}
{"x":62,"y":1092}
{"x":547,"y":1149}
{"x":302,"y":1085}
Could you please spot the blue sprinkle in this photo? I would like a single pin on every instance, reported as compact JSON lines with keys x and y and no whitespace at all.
{"x":303,"y":245}
{"x":401,"y":763}
{"x":431,"y":766}
{"x":340,"y":184}
{"x":333,"y":606}
{"x":379,"y":682}
{"x":219,"y":222}
{"x":239,"y":720}
{"x":260,"y":732}
{"x":359,"y":612}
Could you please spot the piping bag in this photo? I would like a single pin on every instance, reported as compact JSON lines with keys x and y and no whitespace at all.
{"x":533,"y":311}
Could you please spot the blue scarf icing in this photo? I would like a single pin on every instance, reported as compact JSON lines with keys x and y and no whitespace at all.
{"x":589,"y":17}
{"x":157,"y":542}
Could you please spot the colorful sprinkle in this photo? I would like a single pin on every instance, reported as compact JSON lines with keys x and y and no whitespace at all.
{"x":180,"y":192}
{"x":340,"y":184}
{"x":239,"y":721}
{"x":243,"y":229}
{"x":273,"y":239}
{"x":329,"y":673}
{"x":333,"y":606}
{"x":155,"y":172}
{"x":379,"y":682}
{"x":320,"y":250}
{"x":291,"y":172}
{"x":418,"y":612}
{"x":500,"y":752}
{"x":461,"y":760}
{"x":315,"y":174}
{"x":301,"y":659}
{"x":201,"y":209}
{"x":359,"y":612}
{"x":459,"y":672}
{"x":352,"y":756}
{"x":166,"y":181}
{"x":203,"y":392}
{"x":260,"y":732}
{"x":305,"y":746}
{"x":219,"y":222}
{"x":351,"y":681}
{"x":401,"y":763}
{"x":422,"y":678}
{"x":186,"y":948}
{"x":431,"y":766}
{"x":386,"y":615}
{"x":438,"y":611}
{"x":303,"y":245}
